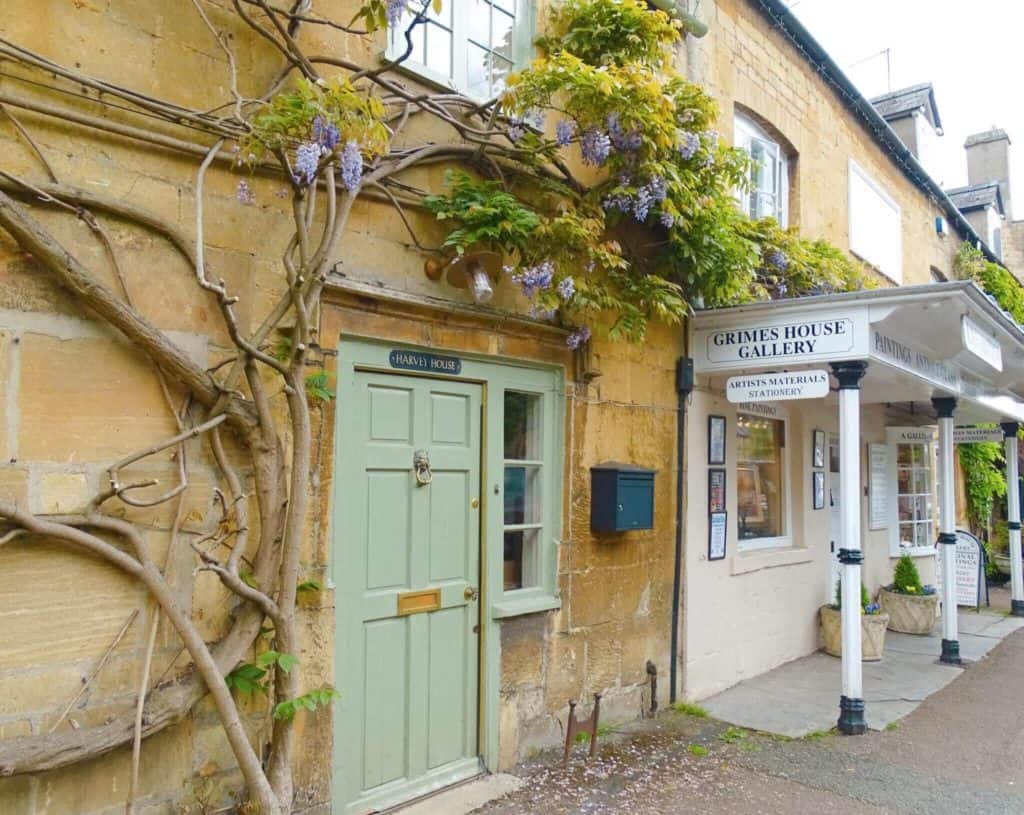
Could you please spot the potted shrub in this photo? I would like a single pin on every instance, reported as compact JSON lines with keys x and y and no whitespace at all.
{"x":911,"y":607}
{"x":873,"y":623}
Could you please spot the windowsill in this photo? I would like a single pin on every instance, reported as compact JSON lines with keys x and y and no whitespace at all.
{"x":530,"y":601}
{"x":430,"y":79}
{"x":758,"y":559}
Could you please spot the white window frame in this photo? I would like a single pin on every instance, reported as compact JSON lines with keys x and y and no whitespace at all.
{"x":521,"y":48}
{"x":776,"y":413}
{"x":747,"y":132}
{"x":860,"y":245}
{"x":894,"y":436}
{"x":541,"y":594}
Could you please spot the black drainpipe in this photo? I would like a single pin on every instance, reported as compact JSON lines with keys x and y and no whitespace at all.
{"x":684,"y":387}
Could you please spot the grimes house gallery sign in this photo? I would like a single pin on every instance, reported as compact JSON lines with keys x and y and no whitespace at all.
{"x":818,"y":337}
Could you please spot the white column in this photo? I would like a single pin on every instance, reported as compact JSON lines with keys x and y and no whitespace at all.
{"x":944,"y":408}
{"x":851,"y":703}
{"x":1013,"y":517}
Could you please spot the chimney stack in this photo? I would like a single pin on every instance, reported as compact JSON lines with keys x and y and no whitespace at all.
{"x":988,"y":159}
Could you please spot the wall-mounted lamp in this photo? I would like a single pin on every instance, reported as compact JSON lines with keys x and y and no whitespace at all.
{"x":475,"y":271}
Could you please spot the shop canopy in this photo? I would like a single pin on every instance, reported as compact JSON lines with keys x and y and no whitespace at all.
{"x":936,"y":340}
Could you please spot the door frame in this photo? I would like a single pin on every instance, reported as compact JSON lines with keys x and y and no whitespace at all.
{"x":356,"y":352}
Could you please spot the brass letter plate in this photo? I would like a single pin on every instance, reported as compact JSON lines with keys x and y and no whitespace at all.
{"x":416,"y":602}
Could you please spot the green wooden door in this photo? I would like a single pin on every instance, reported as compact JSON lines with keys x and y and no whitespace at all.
{"x":407,"y":571}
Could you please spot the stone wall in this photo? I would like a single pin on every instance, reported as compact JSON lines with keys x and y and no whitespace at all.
{"x":747,"y":63}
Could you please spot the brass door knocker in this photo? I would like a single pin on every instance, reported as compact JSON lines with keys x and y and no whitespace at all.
{"x":421,"y":466}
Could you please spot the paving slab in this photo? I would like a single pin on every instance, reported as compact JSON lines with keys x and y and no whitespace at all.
{"x":802,"y":696}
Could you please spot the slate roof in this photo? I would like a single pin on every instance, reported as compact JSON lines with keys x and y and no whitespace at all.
{"x":897,"y":104}
{"x":978,"y":196}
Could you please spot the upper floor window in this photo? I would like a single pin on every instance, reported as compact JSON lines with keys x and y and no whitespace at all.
{"x":768,"y":195}
{"x":472,"y":51}
{"x":875,"y":225}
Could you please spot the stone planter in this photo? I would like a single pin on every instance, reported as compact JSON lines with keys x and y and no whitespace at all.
{"x":1003,"y":563}
{"x":909,"y":613}
{"x":872,"y":633}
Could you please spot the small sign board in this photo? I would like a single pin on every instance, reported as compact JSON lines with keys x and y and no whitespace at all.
{"x":976,"y":435}
{"x":878,"y":486}
{"x":428,"y":363}
{"x":984,"y":346}
{"x":970,"y":569}
{"x":777,"y":387}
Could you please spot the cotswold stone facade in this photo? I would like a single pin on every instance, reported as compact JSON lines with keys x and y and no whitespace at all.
{"x":75,"y":398}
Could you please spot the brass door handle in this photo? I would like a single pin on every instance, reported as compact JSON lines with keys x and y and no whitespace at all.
{"x":471,"y":593}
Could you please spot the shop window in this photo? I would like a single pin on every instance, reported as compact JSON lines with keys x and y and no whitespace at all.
{"x":912,"y":469}
{"x":768,"y":195}
{"x":875,"y":225}
{"x":761,"y":507}
{"x":524,"y":479}
{"x":473,"y":50}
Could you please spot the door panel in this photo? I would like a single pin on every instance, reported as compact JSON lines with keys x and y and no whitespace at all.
{"x":407,"y":718}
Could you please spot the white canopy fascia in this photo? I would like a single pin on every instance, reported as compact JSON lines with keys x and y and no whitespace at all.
{"x":942,"y":339}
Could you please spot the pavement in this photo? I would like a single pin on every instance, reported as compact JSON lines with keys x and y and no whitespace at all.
{"x":958,"y":751}
{"x":800,"y":697}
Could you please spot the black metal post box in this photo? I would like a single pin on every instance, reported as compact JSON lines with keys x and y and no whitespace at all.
{"x":621,"y":497}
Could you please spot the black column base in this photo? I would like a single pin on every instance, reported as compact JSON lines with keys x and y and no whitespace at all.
{"x":1017,"y":608}
{"x":851,"y":716}
{"x":951,"y":652}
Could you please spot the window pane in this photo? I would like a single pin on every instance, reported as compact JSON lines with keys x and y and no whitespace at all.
{"x":522,"y":426}
{"x":522,"y":495}
{"x":445,"y":15}
{"x":508,"y":5}
{"x":906,"y":535}
{"x":759,"y":476}
{"x":478,"y":71}
{"x":479,"y":20}
{"x":906,"y":509}
{"x":500,"y":69}
{"x":439,"y":50}
{"x":520,"y":559}
{"x":501,"y":32}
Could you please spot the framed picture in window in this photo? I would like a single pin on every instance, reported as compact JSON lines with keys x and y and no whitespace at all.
{"x":716,"y":440}
{"x":819,"y":448}
{"x":716,"y":490}
{"x":717,"y":526}
{"x":818,"y":489}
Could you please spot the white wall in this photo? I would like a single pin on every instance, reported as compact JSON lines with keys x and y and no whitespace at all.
{"x":754,"y":611}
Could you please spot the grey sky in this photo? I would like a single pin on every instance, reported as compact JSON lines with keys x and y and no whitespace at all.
{"x":972,"y":52}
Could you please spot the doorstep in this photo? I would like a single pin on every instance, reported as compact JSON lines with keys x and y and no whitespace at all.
{"x":802,"y":696}
{"x":462,"y":798}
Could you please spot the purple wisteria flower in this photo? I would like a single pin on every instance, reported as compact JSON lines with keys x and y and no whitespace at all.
{"x":781,"y":289}
{"x":620,"y":202}
{"x":325,"y":134}
{"x":517,"y":130}
{"x":535,"y":278}
{"x":626,"y":142}
{"x":395,"y":10}
{"x":245,"y":193}
{"x":351,"y":166}
{"x":711,"y":137}
{"x":307,"y":161}
{"x":689,"y":145}
{"x":564,"y":131}
{"x":595,"y":146}
{"x":668,"y":220}
{"x":777,"y":259}
{"x":566,"y":288}
{"x":578,"y":337}
{"x":642,"y":203}
{"x":658,"y":188}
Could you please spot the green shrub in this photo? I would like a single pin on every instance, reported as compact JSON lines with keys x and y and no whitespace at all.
{"x":906,"y":579}
{"x":865,"y":598}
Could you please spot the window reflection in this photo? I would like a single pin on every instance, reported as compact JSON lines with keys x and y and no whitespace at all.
{"x":760,"y":448}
